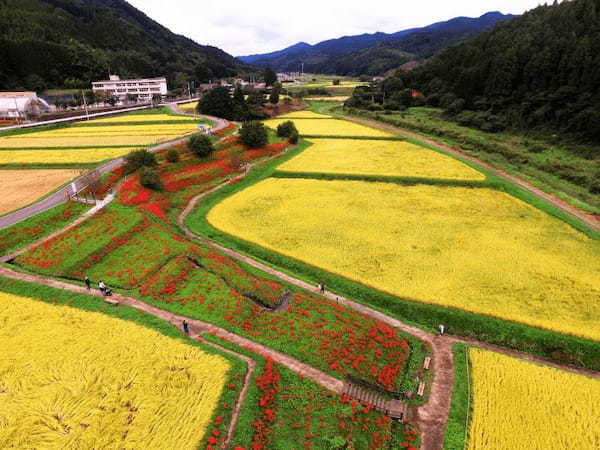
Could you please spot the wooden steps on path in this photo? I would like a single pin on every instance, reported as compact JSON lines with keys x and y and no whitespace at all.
{"x":395,"y":409}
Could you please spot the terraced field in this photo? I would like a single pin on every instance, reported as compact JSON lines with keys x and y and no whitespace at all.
{"x":312,"y":124}
{"x":380,"y":158}
{"x":521,"y":405}
{"x":77,"y":379}
{"x":92,"y":141}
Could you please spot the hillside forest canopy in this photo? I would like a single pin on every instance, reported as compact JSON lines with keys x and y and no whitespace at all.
{"x":538,"y":71}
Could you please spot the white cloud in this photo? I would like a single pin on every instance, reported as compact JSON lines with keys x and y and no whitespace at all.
{"x":260,"y":26}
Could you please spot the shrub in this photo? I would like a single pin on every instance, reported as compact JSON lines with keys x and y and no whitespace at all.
{"x":253,"y":134}
{"x":294,"y":137}
{"x":139,"y":158}
{"x":173,"y":155}
{"x":150,"y":179}
{"x":286,"y":129}
{"x":201,"y":146}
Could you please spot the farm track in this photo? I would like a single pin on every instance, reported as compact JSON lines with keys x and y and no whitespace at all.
{"x":591,"y":220}
{"x":431,"y":417}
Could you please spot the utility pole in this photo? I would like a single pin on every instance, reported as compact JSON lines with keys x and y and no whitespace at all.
{"x":17,"y":111}
{"x":87,"y":114}
{"x":303,"y":71}
{"x":189,"y":91}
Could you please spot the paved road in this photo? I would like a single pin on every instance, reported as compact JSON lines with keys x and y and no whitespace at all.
{"x":78,"y":184}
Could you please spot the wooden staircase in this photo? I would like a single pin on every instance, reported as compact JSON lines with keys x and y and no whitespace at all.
{"x":395,"y":409}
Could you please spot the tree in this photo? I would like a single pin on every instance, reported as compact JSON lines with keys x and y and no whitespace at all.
{"x":274,"y":97}
{"x":269,"y":76}
{"x":257,"y":99}
{"x":173,"y":155}
{"x":217,"y":102}
{"x":201,"y":146}
{"x":254,"y":134}
{"x":203,"y":73}
{"x":150,"y":179}
{"x":138,"y":159}
{"x":286,"y":129}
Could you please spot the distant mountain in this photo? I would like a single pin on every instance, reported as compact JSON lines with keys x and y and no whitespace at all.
{"x":375,"y":54}
{"x":68,"y":43}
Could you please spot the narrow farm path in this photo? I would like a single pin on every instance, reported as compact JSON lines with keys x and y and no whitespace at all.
{"x":591,"y":220}
{"x":251,"y":366}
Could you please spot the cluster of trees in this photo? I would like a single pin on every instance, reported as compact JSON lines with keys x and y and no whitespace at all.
{"x":242,"y":106}
{"x":541,"y":70}
{"x":68,"y":43}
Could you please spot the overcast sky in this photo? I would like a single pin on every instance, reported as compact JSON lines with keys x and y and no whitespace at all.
{"x":261,"y":26}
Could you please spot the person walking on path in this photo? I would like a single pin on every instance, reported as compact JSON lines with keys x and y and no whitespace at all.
{"x":88,"y":283}
{"x":322,"y":288}
{"x":102,"y":286}
{"x":186,"y":327}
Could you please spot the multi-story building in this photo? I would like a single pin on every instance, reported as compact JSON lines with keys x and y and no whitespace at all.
{"x":143,"y":89}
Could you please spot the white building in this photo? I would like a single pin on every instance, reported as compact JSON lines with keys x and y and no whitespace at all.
{"x":17,"y":105}
{"x":143,"y":89}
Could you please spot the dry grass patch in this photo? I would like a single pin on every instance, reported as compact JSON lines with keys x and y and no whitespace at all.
{"x":22,"y":187}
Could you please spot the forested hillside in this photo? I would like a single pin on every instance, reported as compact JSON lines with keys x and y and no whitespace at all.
{"x":539,"y":70}
{"x":375,"y":54}
{"x":68,"y":43}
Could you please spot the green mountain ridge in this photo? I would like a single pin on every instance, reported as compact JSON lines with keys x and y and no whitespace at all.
{"x":539,"y":70}
{"x":68,"y":43}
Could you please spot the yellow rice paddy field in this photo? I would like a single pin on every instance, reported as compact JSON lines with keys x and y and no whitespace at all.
{"x":305,"y":114}
{"x":479,"y":250}
{"x":330,"y":127}
{"x":523,"y":406}
{"x":389,"y":158}
{"x":116,"y":132}
{"x":22,"y":187}
{"x":140,"y":118}
{"x":189,"y":107}
{"x":76,"y":379}
{"x":62,"y":156}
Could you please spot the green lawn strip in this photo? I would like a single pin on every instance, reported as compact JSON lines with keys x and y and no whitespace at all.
{"x":95,"y":304}
{"x":544,"y":343}
{"x":39,"y":226}
{"x":409,"y":181}
{"x":457,"y":425}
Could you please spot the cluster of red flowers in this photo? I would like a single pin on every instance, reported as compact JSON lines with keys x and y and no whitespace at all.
{"x":222,"y":132}
{"x":111,"y":182}
{"x":133,"y":193}
{"x":267,"y":383}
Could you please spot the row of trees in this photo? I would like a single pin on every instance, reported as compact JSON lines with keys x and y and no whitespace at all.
{"x":242,"y":106}
{"x":539,"y":70}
